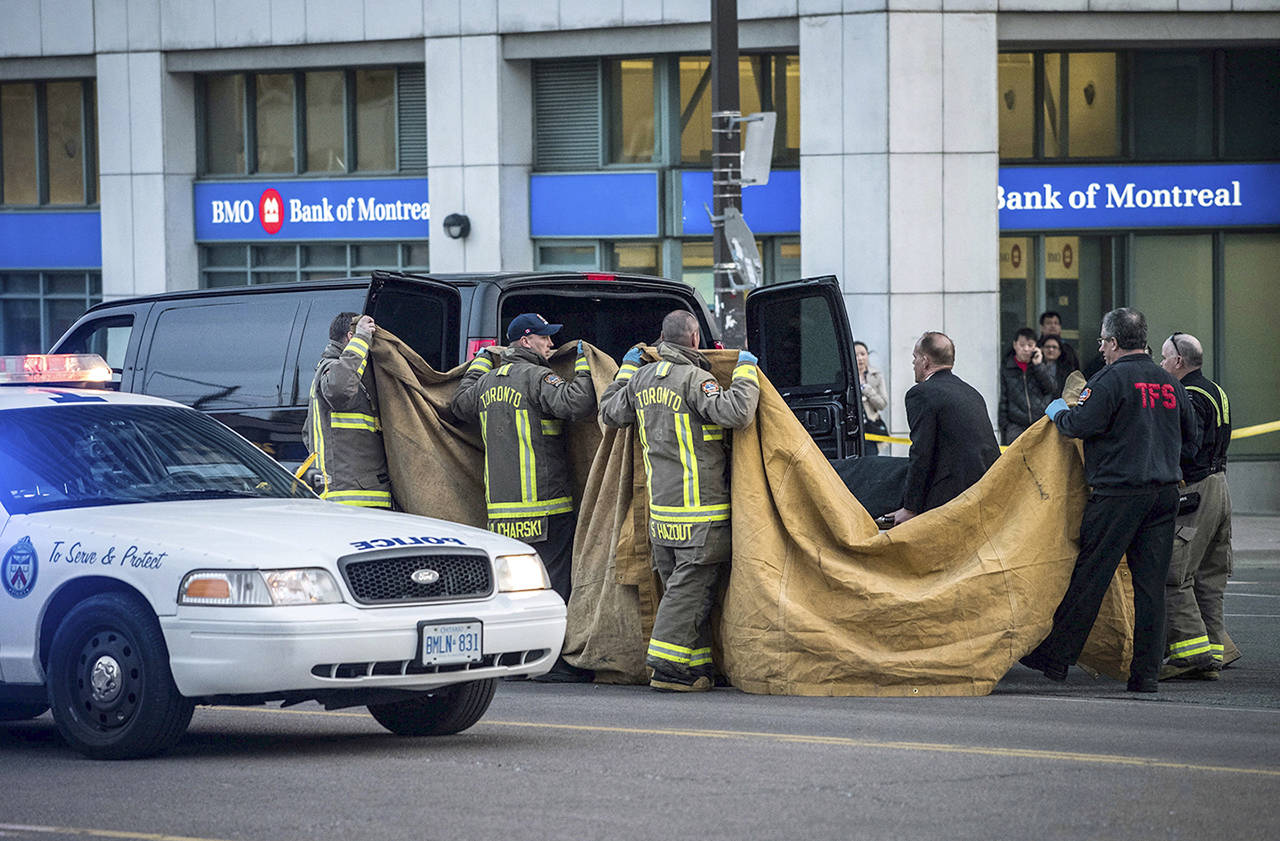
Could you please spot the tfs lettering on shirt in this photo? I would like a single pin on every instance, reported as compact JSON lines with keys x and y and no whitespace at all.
{"x":1157,"y":394}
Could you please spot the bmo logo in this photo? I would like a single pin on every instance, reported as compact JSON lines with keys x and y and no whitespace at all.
{"x":270,"y":207}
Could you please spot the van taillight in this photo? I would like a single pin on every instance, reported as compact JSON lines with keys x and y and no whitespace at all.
{"x":599,"y":276}
{"x":474,"y":346}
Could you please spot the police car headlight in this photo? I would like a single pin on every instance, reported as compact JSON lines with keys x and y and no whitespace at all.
{"x":258,"y":588}
{"x":301,"y":586}
{"x":521,"y":572}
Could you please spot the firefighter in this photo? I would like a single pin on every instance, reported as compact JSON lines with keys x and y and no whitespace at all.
{"x":1135,"y":419}
{"x":683,"y":417}
{"x":1201,"y":558}
{"x":521,"y":405}
{"x":343,"y":430}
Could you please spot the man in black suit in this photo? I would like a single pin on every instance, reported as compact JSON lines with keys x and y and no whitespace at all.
{"x":952,"y":444}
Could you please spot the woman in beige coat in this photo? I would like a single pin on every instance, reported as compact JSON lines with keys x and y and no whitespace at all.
{"x":874,"y":398}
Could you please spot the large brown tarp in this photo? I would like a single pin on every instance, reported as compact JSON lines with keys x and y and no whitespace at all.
{"x":819,"y":601}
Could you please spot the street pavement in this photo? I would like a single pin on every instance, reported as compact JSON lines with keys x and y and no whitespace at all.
{"x":1035,"y":759}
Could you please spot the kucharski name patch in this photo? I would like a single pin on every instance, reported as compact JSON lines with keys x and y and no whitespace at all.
{"x":19,"y":568}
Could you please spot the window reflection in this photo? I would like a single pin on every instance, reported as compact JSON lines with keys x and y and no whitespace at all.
{"x":275,"y":122}
{"x":631,"y":127}
{"x":18,"y":142}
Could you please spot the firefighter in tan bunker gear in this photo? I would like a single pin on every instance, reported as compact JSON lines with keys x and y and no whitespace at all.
{"x":682,"y":416}
{"x":343,"y":430}
{"x":522,"y":405}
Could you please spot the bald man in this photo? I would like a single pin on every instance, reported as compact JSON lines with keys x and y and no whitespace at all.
{"x":952,"y":443}
{"x":1201,"y":561}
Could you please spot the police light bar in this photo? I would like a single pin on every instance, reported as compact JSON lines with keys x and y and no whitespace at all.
{"x":54,"y":368}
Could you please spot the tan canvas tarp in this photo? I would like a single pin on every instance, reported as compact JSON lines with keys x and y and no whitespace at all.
{"x":819,"y":601}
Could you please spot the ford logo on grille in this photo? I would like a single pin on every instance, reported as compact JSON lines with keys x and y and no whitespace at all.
{"x":425,"y":576}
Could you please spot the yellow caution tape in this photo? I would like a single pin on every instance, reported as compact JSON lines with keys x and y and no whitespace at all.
{"x":1260,"y":429}
{"x":1243,"y":432}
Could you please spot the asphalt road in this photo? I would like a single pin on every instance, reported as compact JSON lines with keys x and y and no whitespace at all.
{"x":1033,"y":760}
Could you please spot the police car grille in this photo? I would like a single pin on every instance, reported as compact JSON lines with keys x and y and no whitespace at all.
{"x":389,"y":580}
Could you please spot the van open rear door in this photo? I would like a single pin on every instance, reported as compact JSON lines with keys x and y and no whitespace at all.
{"x":426,"y":314}
{"x":800,"y":332}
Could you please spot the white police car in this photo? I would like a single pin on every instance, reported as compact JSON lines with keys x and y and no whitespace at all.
{"x":152,"y":559}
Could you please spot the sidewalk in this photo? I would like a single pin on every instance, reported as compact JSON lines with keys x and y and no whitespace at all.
{"x":1256,"y":537}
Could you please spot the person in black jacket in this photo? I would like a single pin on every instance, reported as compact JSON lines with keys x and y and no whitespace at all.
{"x":952,"y":444}
{"x":1026,"y":387}
{"x":1199,"y":645}
{"x":1051,"y":325}
{"x":1136,"y":421}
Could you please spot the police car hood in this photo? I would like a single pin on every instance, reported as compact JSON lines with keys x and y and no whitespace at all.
{"x":265,"y":533}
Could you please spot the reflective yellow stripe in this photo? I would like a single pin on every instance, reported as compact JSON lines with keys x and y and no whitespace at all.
{"x":644,"y":449}
{"x":552,"y":427}
{"x":528,"y":464}
{"x":361,"y":348}
{"x":688,"y":460}
{"x":355,"y":420}
{"x":1217,"y":410}
{"x":1216,"y":648}
{"x":670,"y":646}
{"x":1226,"y":405}
{"x":1188,"y":648}
{"x":664,"y":368}
{"x":746,"y":372}
{"x":710,"y":432}
{"x":484,"y":438}
{"x":627,"y":371}
{"x":537,"y":508}
{"x":366,"y":499}
{"x":700,"y":657}
{"x":480,"y":363}
{"x":504,"y":370}
{"x":581,"y":365}
{"x":662,"y":655}
{"x":687,"y":514}
{"x":317,"y":436}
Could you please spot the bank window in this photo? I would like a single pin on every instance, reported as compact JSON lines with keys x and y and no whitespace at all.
{"x":36,"y":308}
{"x":1248,"y":266}
{"x":313,"y":122}
{"x":632,"y":127}
{"x":48,"y":140}
{"x":654,"y":111}
{"x":224,"y":266}
{"x":765,"y":83}
{"x":1147,"y":105}
{"x":1059,"y":105}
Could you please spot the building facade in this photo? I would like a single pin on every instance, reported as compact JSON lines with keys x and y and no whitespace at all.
{"x":960,"y":165}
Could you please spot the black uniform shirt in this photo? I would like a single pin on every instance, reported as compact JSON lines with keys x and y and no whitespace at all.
{"x":1136,"y":420}
{"x":1213,"y":414}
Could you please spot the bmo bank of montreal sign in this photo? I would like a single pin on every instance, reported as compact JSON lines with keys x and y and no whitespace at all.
{"x":1173,"y":196}
{"x":390,"y":208}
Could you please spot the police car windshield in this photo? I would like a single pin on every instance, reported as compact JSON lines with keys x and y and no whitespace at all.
{"x":77,"y":456}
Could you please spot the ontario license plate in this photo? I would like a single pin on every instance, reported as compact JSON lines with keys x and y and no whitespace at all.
{"x":452,"y":642}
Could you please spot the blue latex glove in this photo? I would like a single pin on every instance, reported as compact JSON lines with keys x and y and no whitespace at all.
{"x":580,"y":352}
{"x":1056,"y":408}
{"x":746,"y":356}
{"x":635,"y":356}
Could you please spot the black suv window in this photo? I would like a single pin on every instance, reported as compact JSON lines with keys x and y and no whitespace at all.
{"x":221,"y":355}
{"x":324,"y":307}
{"x":107,"y":337}
{"x":800,"y":343}
{"x":612,"y":323}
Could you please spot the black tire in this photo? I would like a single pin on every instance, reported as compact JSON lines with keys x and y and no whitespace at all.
{"x":440,"y":713}
{"x":133,"y":709}
{"x":21,"y":712}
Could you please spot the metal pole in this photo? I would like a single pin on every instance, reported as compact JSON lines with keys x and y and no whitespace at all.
{"x":726,"y":163}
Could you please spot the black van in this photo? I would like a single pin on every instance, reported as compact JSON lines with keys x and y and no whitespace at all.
{"x":246,"y":354}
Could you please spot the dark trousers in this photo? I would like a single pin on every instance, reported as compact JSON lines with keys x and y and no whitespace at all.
{"x":557,"y":553}
{"x":1139,"y":526}
{"x":681,"y":643}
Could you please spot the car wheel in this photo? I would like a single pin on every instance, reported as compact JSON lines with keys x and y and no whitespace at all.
{"x":110,"y":687}
{"x":21,"y":712}
{"x":440,"y":713}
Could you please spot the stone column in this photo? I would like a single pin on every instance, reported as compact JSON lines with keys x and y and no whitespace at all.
{"x":147,"y":158}
{"x":480,"y":152}
{"x":898,"y":166}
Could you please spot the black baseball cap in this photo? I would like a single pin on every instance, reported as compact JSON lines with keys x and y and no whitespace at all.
{"x":530,"y":323}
